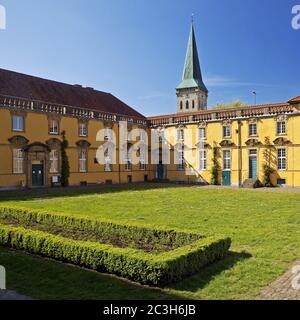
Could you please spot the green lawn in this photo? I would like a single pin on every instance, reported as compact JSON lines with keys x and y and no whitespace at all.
{"x":264,"y":227}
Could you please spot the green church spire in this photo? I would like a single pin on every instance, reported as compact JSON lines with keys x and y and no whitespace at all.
{"x":192,"y":77}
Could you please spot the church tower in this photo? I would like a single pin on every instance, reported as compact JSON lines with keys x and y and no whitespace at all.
{"x":192,"y":93}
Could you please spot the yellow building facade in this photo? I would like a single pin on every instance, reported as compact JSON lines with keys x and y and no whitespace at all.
{"x":244,"y":141}
{"x":234,"y":146}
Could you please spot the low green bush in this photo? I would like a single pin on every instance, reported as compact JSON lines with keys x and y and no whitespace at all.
{"x":136,"y":265}
{"x":129,"y":235}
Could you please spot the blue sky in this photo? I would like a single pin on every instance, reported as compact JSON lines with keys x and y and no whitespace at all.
{"x":135,"y":49}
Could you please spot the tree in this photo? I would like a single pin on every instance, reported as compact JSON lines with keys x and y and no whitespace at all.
{"x":233,"y":104}
{"x":215,"y":167}
{"x":65,"y":166}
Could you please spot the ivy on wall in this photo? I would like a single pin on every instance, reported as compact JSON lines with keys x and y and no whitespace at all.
{"x":65,"y":166}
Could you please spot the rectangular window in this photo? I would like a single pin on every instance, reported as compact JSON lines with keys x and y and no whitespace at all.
{"x":226,"y":160}
{"x":253,"y":129}
{"x":180,"y":135}
{"x":18,"y":161}
{"x":180,"y":165}
{"x":83,"y":161}
{"x":108,"y":134}
{"x":226,"y":131}
{"x":18,"y":123}
{"x":143,"y":135}
{"x":128,"y":164}
{"x":82,"y":129}
{"x":281,"y":127}
{"x":202,"y":133}
{"x":142,"y":162}
{"x":281,"y":159}
{"x":53,"y":161}
{"x":108,"y":164}
{"x":203,"y":161}
{"x":53,"y":126}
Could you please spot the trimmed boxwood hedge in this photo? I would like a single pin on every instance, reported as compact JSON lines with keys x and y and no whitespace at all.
{"x":193,"y":251}
{"x":133,"y":264}
{"x":128,"y":234}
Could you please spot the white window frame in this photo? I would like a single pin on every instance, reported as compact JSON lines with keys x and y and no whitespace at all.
{"x":253,"y":130}
{"x":83,"y":161}
{"x":180,"y":135}
{"x":53,"y":129}
{"x":108,"y":134}
{"x":18,"y":161}
{"x":226,"y":160}
{"x":226,"y":131}
{"x":142,"y":163}
{"x":282,"y":159}
{"x":18,"y":123}
{"x":54,"y":161}
{"x":108,"y":164}
{"x":128,"y":162}
{"x":201,"y":134}
{"x":203,"y":160}
{"x":181,"y":161}
{"x":279,"y":128}
{"x":83,"y":132}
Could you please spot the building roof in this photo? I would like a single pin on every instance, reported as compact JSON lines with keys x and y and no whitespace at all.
{"x":192,"y":77}
{"x":295,"y":100}
{"x":28,"y":87}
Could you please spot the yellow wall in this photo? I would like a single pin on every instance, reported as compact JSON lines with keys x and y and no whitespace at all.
{"x":36,"y":130}
{"x":267,"y":127}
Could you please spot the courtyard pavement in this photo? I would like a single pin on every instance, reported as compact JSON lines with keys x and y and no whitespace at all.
{"x":287,"y":287}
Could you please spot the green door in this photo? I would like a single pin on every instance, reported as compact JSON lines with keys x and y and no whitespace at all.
{"x":160,"y":171}
{"x":226,"y":178}
{"x":253,"y":164}
{"x":37,"y":175}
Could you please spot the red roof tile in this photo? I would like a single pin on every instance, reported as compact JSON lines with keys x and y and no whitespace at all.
{"x":296,"y":99}
{"x":34,"y":88}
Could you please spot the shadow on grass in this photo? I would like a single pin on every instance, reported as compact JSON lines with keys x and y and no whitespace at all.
{"x":41,"y":278}
{"x":33,"y":194}
{"x":201,"y":279}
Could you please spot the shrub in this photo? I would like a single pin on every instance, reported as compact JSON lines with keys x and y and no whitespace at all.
{"x":130,"y":235}
{"x":130,"y":263}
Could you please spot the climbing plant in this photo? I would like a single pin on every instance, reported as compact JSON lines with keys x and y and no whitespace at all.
{"x":267,"y":166}
{"x":215,"y":167}
{"x":65,"y":166}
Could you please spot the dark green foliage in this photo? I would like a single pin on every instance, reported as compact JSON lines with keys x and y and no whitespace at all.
{"x":65,"y":166}
{"x":268,"y":161}
{"x":128,"y":235}
{"x":137,"y":265}
{"x":215,"y":167}
{"x":257,"y":184}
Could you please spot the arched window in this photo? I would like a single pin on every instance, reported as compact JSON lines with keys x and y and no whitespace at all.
{"x":187,"y":105}
{"x":181,"y":105}
{"x":193,"y":104}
